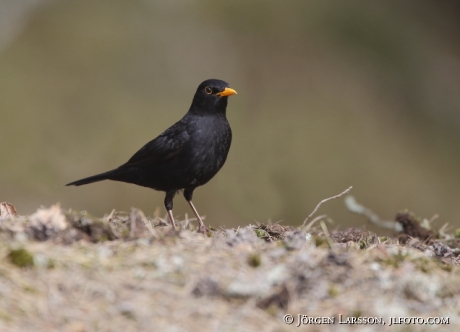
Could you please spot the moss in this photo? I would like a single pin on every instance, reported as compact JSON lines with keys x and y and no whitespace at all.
{"x":4,"y":316}
{"x":395,"y":260}
{"x":254,"y":260}
{"x":446,"y":267}
{"x":457,"y":233}
{"x":125,"y":232}
{"x":424,"y":265}
{"x":320,"y":241}
{"x":21,"y":257}
{"x":272,"y":310}
{"x":261,"y":233}
{"x":356,"y":313}
{"x":128,"y":313}
{"x":51,"y":264}
{"x":102,"y":238}
{"x":30,"y":289}
{"x":333,"y":291}
{"x":149,"y":264}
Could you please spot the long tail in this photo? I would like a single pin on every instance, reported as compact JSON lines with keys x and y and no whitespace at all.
{"x":91,"y":179}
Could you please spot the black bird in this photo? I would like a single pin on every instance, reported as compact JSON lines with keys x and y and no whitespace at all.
{"x":187,"y":155}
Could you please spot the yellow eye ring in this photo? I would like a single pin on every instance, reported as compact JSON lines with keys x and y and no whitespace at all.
{"x":208,"y":90}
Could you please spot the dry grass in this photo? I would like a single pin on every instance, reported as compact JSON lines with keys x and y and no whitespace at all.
{"x":72,"y":272}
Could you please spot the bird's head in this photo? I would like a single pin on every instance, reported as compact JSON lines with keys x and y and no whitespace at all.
{"x":211,"y":97}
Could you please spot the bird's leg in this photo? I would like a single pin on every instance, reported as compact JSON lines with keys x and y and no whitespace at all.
{"x":188,"y":196}
{"x":203,"y":228}
{"x":169,"y":205}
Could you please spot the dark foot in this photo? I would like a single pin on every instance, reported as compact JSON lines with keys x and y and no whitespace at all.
{"x":203,"y":229}
{"x":171,"y":220}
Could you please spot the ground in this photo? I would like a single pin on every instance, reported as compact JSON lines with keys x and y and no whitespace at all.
{"x":62,"y":270}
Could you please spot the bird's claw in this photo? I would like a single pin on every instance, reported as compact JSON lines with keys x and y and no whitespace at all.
{"x":203,"y":229}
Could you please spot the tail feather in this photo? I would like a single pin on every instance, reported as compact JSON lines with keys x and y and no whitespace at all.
{"x":91,"y":179}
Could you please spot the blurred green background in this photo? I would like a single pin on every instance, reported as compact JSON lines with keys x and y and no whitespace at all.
{"x":330,"y":94}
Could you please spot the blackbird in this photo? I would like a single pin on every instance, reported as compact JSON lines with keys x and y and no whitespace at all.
{"x":186,"y":155}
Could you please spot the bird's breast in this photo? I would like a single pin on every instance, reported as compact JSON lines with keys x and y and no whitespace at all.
{"x":208,"y":147}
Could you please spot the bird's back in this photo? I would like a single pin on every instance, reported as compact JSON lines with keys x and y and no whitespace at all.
{"x":186,"y":155}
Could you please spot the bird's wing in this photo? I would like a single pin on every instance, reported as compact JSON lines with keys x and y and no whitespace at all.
{"x":166,"y":146}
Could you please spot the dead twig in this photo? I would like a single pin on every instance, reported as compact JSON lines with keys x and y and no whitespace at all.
{"x":311,"y":223}
{"x":327,"y":235}
{"x":7,"y":211}
{"x":133,"y":222}
{"x":442,"y":232}
{"x":148,"y":224}
{"x":354,"y":207}
{"x":323,"y":201}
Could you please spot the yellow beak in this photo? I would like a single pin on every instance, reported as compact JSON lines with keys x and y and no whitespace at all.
{"x":226,"y":92}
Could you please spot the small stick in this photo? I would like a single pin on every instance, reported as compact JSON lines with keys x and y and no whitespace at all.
{"x":133,"y":221}
{"x":311,"y":223}
{"x":355,"y":207}
{"x":327,"y":235}
{"x":323,"y":201}
{"x":148,"y":224}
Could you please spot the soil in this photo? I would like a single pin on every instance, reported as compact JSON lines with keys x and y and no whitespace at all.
{"x":70,"y":271}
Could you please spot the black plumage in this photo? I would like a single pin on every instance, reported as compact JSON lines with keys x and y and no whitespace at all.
{"x":186,"y":155}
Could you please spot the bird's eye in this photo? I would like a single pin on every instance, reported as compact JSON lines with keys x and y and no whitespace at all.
{"x":208,"y":90}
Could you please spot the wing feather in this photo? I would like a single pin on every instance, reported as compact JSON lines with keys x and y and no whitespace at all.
{"x":166,"y":146}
